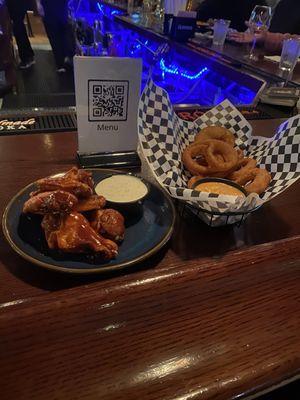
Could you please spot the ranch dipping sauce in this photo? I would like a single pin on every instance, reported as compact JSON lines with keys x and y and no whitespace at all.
{"x":122,"y":189}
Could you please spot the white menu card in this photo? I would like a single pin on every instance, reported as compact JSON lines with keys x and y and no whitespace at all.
{"x":107,"y":97}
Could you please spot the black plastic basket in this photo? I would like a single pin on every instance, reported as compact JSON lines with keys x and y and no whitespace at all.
{"x":186,"y":209}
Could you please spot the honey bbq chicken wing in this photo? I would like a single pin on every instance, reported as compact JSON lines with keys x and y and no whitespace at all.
{"x":72,"y":233}
{"x":51,"y":224}
{"x":55,"y":202}
{"x":75,"y":181}
{"x":80,"y":175}
{"x":109,"y":223}
{"x":94,"y":202}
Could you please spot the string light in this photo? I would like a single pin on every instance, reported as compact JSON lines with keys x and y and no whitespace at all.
{"x":107,"y":12}
{"x":116,"y":12}
{"x":218,"y":86}
{"x":174,"y":70}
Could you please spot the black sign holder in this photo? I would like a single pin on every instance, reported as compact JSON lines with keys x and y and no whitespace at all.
{"x":183,"y":28}
{"x":126,"y":159}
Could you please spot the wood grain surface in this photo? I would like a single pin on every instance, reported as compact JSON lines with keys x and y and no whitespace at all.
{"x":212,"y":331}
{"x":214,"y":315}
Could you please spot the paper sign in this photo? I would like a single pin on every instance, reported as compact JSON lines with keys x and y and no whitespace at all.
{"x":107,"y":97}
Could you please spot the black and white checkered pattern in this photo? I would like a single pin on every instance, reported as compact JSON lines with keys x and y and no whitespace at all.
{"x":163,"y":137}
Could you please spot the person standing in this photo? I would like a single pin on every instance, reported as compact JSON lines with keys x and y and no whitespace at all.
{"x":56,"y":22}
{"x":17,"y":10}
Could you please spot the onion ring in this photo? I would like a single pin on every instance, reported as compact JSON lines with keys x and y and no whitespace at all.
{"x":215,"y":158}
{"x":240,"y":153}
{"x":217,"y":148}
{"x":256,"y":180}
{"x":213,"y":155}
{"x":216,"y":132}
{"x":189,"y":161}
{"x":244,"y":165}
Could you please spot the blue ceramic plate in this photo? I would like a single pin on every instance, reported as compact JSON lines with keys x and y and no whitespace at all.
{"x":149,"y":226}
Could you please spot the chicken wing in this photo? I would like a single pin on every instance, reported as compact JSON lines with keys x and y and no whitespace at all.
{"x":92,"y":203}
{"x":80,"y":175}
{"x":50,"y":202}
{"x":110,"y":223}
{"x":72,"y":233}
{"x":75,"y":181}
{"x":51,"y":224}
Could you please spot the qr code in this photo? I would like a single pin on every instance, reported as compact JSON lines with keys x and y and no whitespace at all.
{"x":108,"y":100}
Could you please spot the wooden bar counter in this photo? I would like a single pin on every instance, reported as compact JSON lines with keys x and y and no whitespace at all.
{"x":214,"y":315}
{"x":232,"y":54}
{"x":236,"y":54}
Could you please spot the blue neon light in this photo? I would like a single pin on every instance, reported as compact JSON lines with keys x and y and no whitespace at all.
{"x":107,"y":11}
{"x":100,"y":8}
{"x":175,"y":73}
{"x":174,"y":70}
{"x":116,"y":12}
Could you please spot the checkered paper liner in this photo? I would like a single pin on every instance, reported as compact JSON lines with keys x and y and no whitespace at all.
{"x":163,"y":136}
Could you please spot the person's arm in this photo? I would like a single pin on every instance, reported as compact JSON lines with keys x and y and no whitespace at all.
{"x":273,"y":41}
{"x":246,"y":37}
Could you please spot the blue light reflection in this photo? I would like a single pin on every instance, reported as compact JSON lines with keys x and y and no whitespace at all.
{"x":183,"y":78}
{"x":175,"y":70}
